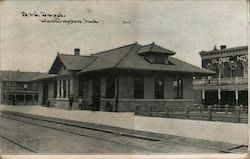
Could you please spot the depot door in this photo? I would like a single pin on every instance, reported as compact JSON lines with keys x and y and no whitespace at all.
{"x":96,"y":93}
{"x":45,"y":93}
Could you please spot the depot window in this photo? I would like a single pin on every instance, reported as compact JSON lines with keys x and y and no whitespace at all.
{"x":159,"y":88}
{"x":139,"y":88}
{"x":110,"y":87}
{"x":178,"y":89}
{"x":159,"y":59}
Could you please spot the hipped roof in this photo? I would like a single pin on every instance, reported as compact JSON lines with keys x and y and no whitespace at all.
{"x":125,"y":57}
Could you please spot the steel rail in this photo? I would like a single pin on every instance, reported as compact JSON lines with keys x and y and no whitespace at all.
{"x":18,"y":144}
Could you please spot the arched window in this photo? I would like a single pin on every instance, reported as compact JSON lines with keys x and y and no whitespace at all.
{"x":233,"y":67}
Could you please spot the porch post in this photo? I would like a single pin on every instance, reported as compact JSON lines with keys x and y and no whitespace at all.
{"x":67,"y":85}
{"x":71,"y":87}
{"x":58,"y":89}
{"x":236,"y":97}
{"x":219,"y":97}
{"x":203,"y":97}
{"x":61,"y":88}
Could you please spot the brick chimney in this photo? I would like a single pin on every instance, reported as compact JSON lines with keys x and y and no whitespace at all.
{"x":223,"y":47}
{"x":77,"y":51}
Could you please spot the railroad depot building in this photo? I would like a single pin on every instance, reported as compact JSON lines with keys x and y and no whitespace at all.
{"x":229,"y":86}
{"x":124,"y":76}
{"x":16,"y":86}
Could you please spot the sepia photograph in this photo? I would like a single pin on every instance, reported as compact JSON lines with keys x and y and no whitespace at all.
{"x":108,"y":79}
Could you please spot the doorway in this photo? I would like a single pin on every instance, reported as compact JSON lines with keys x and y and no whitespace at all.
{"x":96,"y":94}
{"x":228,"y":97}
{"x":45,"y":94}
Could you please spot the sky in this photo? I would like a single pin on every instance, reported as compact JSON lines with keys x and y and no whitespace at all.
{"x":186,"y":27}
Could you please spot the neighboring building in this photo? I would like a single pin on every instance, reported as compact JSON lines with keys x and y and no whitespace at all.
{"x":230,"y":83}
{"x":124,"y":76}
{"x":15,"y":86}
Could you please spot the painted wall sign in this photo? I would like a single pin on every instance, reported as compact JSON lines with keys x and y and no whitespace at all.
{"x":229,"y":59}
{"x":221,"y":60}
{"x":242,"y":58}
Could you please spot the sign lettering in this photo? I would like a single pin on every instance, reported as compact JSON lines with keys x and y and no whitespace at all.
{"x":229,"y":58}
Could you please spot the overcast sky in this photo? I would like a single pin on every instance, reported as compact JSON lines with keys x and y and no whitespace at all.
{"x":186,"y":27}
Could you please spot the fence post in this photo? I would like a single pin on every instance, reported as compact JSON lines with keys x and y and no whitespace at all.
{"x":226,"y":108}
{"x":241,"y":109}
{"x":215,"y":108}
{"x":237,"y":114}
{"x":209,"y":111}
{"x":201,"y":108}
{"x":166,"y":111}
{"x":137,"y":109}
{"x":187,"y":111}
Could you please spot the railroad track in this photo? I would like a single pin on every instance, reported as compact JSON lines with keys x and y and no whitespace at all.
{"x":35,"y":121}
{"x":20,"y":117}
{"x":39,"y":122}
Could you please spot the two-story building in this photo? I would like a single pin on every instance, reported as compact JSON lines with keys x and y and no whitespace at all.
{"x":16,"y":87}
{"x":124,"y":76}
{"x":229,"y":86}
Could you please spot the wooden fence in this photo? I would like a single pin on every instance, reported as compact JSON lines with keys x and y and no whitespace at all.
{"x":237,"y":114}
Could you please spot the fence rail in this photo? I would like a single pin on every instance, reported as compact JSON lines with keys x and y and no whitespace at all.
{"x":237,"y":114}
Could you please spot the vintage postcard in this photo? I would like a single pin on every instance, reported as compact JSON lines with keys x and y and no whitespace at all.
{"x":127,"y":79}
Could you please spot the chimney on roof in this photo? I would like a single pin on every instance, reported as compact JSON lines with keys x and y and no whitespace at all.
{"x":215,"y":48}
{"x":223,"y":47}
{"x":77,"y":51}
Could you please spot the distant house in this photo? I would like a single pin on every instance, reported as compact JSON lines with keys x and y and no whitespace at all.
{"x":15,"y":86}
{"x":229,"y":85}
{"x":124,"y":76}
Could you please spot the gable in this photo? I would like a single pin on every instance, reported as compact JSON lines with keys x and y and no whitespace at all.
{"x":56,"y":66}
{"x":71,"y":62}
{"x":64,"y":71}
